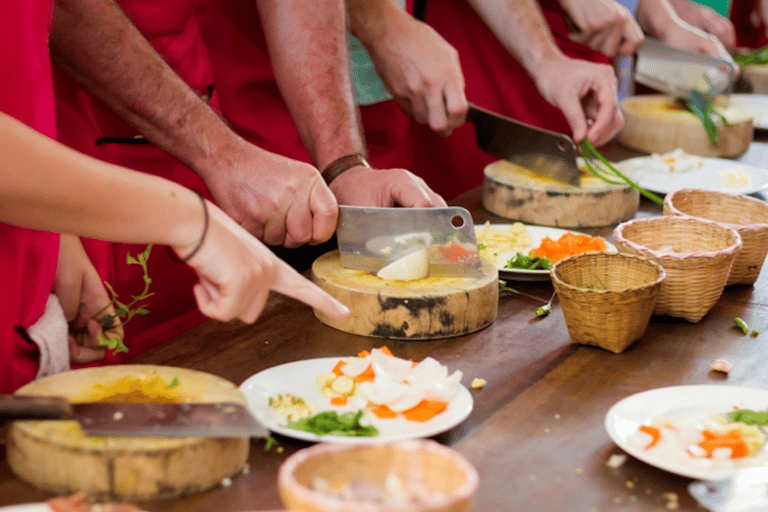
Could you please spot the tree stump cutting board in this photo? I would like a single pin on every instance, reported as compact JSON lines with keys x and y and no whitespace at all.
{"x":757,"y":76}
{"x":433,"y":307}
{"x":57,"y":456}
{"x":659,"y":124}
{"x":515,"y":193}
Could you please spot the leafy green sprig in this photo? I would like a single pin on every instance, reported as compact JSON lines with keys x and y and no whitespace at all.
{"x":125,"y":312}
{"x":755,"y":57}
{"x":603,"y":169}
{"x":700,"y":104}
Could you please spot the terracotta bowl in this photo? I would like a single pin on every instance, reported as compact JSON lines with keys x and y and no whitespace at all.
{"x":417,"y":475}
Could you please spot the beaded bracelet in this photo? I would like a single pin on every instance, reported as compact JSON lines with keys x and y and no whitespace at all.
{"x":343,"y":164}
{"x":202,"y":236}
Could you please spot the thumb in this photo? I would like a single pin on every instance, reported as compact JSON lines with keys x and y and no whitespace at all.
{"x":574,"y":114}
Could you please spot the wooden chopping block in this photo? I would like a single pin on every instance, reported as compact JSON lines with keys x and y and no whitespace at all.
{"x":57,"y":456}
{"x":433,"y":307}
{"x":515,"y":193}
{"x":658,"y":124}
{"x":757,"y":76}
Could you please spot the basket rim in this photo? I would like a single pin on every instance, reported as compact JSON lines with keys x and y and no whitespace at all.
{"x":669,"y":198}
{"x":662,"y":273}
{"x":619,"y":238}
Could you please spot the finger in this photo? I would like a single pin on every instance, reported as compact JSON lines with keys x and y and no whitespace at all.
{"x":409,"y":193}
{"x":606,"y":105}
{"x":250,"y":314}
{"x":84,"y":355}
{"x":325,"y":210}
{"x":612,"y":41}
{"x":456,"y":105}
{"x":274,"y":229}
{"x":210,"y":301}
{"x":574,"y":114}
{"x":436,"y":112}
{"x":603,"y":134}
{"x":633,"y":38}
{"x":292,"y":284}
{"x":419,"y":109}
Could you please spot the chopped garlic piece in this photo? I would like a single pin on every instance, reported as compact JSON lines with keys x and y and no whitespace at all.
{"x":478,"y":383}
{"x":616,"y":460}
{"x":721,"y":365}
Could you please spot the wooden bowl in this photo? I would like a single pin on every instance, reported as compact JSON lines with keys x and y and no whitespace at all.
{"x":607,"y":298}
{"x":657,"y":124}
{"x":417,"y":475}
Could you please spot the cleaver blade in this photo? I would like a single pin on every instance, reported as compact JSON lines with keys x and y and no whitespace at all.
{"x":545,"y":153}
{"x":370,"y":238}
{"x":224,"y":419}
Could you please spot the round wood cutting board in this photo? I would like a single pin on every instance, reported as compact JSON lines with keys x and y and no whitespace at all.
{"x":57,"y":456}
{"x":658,"y":124}
{"x":429,"y":308}
{"x":757,"y":76}
{"x":515,"y":193}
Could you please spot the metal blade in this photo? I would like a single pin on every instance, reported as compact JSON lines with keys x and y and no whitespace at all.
{"x":370,"y":238}
{"x":677,"y":72}
{"x":545,"y":153}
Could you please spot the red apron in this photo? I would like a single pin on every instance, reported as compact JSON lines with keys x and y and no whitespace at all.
{"x":747,"y":35}
{"x":88,"y":125}
{"x":27,"y":257}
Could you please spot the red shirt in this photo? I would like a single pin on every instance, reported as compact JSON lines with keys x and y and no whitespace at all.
{"x":27,"y":257}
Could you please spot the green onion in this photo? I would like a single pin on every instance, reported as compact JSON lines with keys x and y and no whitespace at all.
{"x":758,"y":56}
{"x":608,"y":173}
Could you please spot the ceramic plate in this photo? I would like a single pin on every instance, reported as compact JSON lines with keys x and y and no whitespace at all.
{"x":688,"y":404}
{"x":757,"y":105}
{"x":712,"y":175}
{"x":537,"y":233}
{"x":298,"y":378}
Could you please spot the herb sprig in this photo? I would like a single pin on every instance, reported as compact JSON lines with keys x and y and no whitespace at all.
{"x":700,"y":104}
{"x":603,"y":169}
{"x":755,"y":57}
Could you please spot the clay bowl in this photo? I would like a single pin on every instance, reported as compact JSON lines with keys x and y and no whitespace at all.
{"x":417,"y":475}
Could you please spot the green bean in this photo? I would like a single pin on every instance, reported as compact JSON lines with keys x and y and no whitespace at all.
{"x":741,"y":324}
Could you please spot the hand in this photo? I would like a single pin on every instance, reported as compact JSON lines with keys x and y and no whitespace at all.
{"x":422,"y":72}
{"x":362,"y":186}
{"x":237,"y":273}
{"x":82,"y":295}
{"x":278,"y":200}
{"x":708,"y":20}
{"x":586,"y":94}
{"x":688,"y":37}
{"x":605,"y":26}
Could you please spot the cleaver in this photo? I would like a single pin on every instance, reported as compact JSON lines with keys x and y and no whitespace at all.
{"x":225,"y":419}
{"x":544,"y":152}
{"x":678,"y":72}
{"x":370,"y":238}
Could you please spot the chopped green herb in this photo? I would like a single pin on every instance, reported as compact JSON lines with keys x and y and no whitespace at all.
{"x":544,"y":310}
{"x":525,"y":262}
{"x":333,"y":423}
{"x":741,"y":324}
{"x":480,"y":246}
{"x":175,"y":382}
{"x":270,"y":442}
{"x":758,"y":56}
{"x":749,"y":417}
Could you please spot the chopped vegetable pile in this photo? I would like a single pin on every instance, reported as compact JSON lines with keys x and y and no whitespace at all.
{"x":333,"y":423}
{"x":568,"y":245}
{"x":523,"y":262}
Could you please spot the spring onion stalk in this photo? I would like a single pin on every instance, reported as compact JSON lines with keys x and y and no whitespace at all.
{"x":758,"y":56}
{"x":610,"y":174}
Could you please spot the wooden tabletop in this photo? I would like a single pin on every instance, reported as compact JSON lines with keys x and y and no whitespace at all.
{"x":536,"y":434}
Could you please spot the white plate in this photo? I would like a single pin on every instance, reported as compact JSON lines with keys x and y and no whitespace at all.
{"x":756,"y":104}
{"x":537,"y":234}
{"x":684,"y":403}
{"x":298,"y":378}
{"x":706,"y":177}
{"x":27,"y":507}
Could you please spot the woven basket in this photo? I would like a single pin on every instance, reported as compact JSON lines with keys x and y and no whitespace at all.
{"x":747,"y":215}
{"x":697,"y":255}
{"x":607,"y":298}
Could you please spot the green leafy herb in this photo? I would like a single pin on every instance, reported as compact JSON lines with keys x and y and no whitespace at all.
{"x":480,"y":246}
{"x":700,"y":103}
{"x":175,"y":382}
{"x":741,"y":324}
{"x":749,"y":417}
{"x":270,"y":442}
{"x":603,"y":169}
{"x":122,"y":310}
{"x":525,"y":262}
{"x":330,"y":422}
{"x":756,"y":57}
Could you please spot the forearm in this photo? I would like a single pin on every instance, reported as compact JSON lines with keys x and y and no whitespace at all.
{"x":101,"y":48}
{"x":520,"y":26}
{"x":370,"y":20}
{"x":310,"y":59}
{"x":45,"y":185}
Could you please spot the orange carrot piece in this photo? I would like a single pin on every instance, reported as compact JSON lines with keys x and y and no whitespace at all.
{"x":733,"y":440}
{"x":337,"y":368}
{"x":363,"y":353}
{"x":425,"y":410}
{"x":339,"y":401}
{"x":654,"y":432}
{"x":386,"y":350}
{"x":382,"y":411}
{"x":366,"y":376}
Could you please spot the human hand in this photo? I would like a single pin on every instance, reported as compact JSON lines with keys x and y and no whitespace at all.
{"x":361,"y":186}
{"x":237,"y":273}
{"x":279,"y":200}
{"x":82,"y":296}
{"x":687,"y":37}
{"x":586,"y":94}
{"x":422,"y":72}
{"x":708,"y":20}
{"x":604,"y":25}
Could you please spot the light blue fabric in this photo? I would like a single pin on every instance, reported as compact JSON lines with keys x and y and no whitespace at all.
{"x":369,"y":88}
{"x":630,"y":4}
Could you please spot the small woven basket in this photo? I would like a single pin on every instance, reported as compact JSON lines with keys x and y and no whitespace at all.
{"x":747,"y":215}
{"x":607,"y":298}
{"x":696,"y":253}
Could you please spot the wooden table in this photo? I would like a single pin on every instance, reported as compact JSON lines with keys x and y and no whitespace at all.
{"x":536,"y":433}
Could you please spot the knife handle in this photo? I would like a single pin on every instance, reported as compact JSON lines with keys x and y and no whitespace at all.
{"x":28,"y":407}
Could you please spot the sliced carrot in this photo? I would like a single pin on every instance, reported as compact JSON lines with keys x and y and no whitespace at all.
{"x":382,"y":411}
{"x":654,"y":432}
{"x":732,"y":439}
{"x":363,"y":353}
{"x":339,"y":401}
{"x":366,"y":375}
{"x":337,"y":368}
{"x":567,"y":245}
{"x":386,"y":350}
{"x":425,"y":410}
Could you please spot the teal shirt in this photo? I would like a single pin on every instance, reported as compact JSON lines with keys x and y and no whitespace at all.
{"x":721,"y":6}
{"x":369,"y":88}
